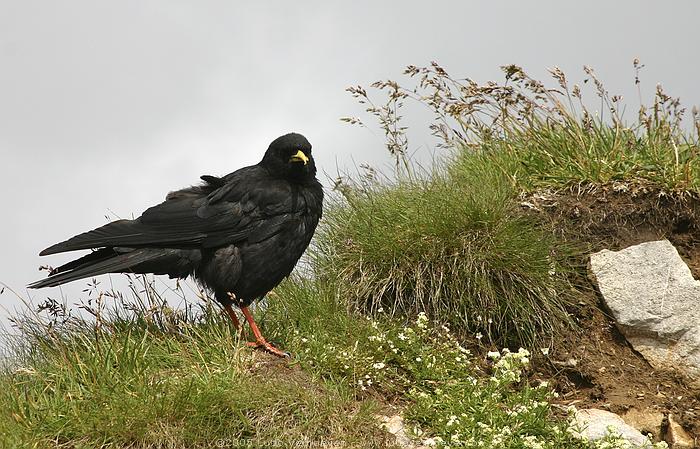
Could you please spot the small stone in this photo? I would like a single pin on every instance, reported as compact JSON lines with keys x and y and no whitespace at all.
{"x":568,"y":363}
{"x":646,"y":421}
{"x":677,"y":437}
{"x":395,"y":426}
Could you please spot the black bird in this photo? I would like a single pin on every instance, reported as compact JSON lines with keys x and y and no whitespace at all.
{"x":239,"y":235}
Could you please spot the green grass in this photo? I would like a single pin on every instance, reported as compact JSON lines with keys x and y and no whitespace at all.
{"x":545,"y":135}
{"x":448,"y":394}
{"x":152,"y":378}
{"x":454,"y":242}
{"x":561,"y":154}
{"x":160,"y":379}
{"x":453,"y":245}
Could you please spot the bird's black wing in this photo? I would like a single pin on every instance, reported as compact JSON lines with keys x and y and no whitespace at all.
{"x":225,"y":210}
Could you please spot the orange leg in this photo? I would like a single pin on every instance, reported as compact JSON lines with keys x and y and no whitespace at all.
{"x":260,"y":341}
{"x":231,"y":314}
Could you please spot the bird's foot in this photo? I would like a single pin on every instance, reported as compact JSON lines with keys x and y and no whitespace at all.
{"x":265,"y":346}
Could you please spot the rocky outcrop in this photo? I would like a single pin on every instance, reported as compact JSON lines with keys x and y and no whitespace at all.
{"x":655,"y":301}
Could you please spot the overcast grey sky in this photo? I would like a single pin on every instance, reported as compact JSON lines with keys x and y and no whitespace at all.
{"x":106,"y":106}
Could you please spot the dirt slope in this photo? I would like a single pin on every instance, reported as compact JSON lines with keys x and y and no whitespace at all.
{"x":598,"y":368}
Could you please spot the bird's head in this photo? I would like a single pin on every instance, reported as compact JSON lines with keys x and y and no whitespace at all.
{"x":289,"y":157}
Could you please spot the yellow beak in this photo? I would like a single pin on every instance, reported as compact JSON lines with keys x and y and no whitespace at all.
{"x":300,"y":157}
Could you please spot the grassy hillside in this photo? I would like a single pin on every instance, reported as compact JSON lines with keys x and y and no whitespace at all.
{"x":423,"y":290}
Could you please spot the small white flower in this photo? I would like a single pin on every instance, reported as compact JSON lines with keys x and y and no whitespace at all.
{"x":418,"y":359}
{"x":378,"y":365}
{"x":434,"y":441}
{"x":380,"y":310}
{"x":422,"y":321}
{"x":544,"y":351}
{"x":493,"y":354}
{"x":479,"y":336}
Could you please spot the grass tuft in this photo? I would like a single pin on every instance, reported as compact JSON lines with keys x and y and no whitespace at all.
{"x":453,"y":245}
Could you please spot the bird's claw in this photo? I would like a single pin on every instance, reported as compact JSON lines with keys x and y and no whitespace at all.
{"x":265,"y":346}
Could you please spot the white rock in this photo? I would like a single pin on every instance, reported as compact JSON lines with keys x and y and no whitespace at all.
{"x":595,"y":424}
{"x":655,"y":301}
{"x":395,"y":426}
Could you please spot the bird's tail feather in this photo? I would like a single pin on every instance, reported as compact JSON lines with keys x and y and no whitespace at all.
{"x":111,"y":234}
{"x":107,"y":260}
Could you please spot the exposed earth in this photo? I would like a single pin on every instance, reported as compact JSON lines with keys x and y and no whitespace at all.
{"x":597,"y":368}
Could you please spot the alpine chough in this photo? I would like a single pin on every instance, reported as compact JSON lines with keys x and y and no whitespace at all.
{"x":239,"y":235}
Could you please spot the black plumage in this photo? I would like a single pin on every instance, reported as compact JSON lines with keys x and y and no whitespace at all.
{"x":239,"y":234}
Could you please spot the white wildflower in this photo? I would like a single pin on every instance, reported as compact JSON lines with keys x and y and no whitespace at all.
{"x":422,"y":321}
{"x":493,"y":354}
{"x":531,"y":441}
